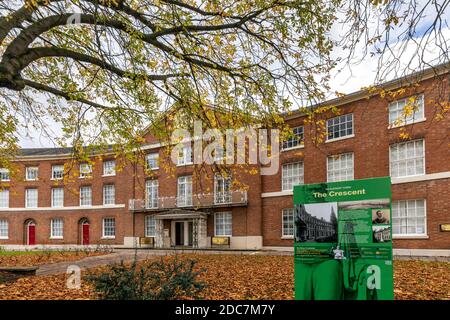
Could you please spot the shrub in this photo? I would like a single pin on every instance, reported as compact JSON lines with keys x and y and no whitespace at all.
{"x":155,"y":280}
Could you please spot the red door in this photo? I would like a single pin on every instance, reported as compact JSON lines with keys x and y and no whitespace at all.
{"x":31,"y":234}
{"x":85,"y":231}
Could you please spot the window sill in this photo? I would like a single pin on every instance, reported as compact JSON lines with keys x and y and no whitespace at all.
{"x":109,"y":205}
{"x":185,"y":164}
{"x":109,"y":175}
{"x":85,"y":177}
{"x":56,"y":179}
{"x":412,"y":236}
{"x":29,"y":180}
{"x":56,"y":238}
{"x":4,"y":238}
{"x":293,"y":148}
{"x":340,"y":138}
{"x":406,"y":124}
{"x":108,"y":238}
{"x":287,"y":238}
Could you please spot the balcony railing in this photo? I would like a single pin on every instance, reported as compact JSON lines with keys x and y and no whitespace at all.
{"x":227,"y":199}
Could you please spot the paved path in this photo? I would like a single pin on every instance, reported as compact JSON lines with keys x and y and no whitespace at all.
{"x":127,"y":255}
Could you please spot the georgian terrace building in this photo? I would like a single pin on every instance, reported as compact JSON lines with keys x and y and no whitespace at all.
{"x":102,"y":205}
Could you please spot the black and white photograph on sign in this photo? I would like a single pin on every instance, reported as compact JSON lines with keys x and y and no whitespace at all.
{"x":381,"y":216}
{"x":364,"y":204}
{"x":381,"y":233}
{"x":316,"y":222}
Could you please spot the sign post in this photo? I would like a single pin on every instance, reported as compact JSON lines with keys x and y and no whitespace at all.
{"x":343,"y":240}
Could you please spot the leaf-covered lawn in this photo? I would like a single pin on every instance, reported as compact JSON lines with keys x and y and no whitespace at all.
{"x":249,"y":277}
{"x":34,"y":258}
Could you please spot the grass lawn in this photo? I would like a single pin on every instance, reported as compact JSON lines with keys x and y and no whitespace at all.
{"x":18,"y":253}
{"x":247,"y":277}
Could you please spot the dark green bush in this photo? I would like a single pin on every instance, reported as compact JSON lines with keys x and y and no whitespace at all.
{"x":155,"y":280}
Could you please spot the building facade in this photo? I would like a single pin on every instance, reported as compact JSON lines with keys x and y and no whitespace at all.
{"x":146,"y":205}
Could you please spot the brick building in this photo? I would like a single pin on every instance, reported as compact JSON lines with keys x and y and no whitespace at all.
{"x":99,"y":204}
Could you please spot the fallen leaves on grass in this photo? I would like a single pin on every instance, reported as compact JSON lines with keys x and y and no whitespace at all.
{"x":45,"y":257}
{"x":248,"y":277}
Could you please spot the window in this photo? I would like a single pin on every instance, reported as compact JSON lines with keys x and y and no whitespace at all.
{"x":295,"y":139}
{"x":184,"y":156}
{"x":184,"y":191}
{"x":4,"y":174}
{"x":31,"y":198}
{"x":340,"y":127}
{"x":3,"y":229}
{"x":407,"y":159}
{"x":4,"y":198}
{"x":109,"y":168}
{"x":223,"y":224}
{"x":85,"y":170}
{"x":409,"y":217}
{"x":57,"y":172}
{"x":340,"y":167}
{"x":287,"y":229}
{"x":31,"y":173}
{"x":291,"y":175}
{"x":406,"y":111}
{"x":56,"y":228}
{"x":109,"y":228}
{"x":86,"y":196}
{"x":151,"y":194}
{"x":109,"y":194}
{"x":57,"y":197}
{"x":222,"y":189}
{"x":150,"y":226}
{"x":152,"y":160}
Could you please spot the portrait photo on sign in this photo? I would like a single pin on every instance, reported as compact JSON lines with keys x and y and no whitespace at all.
{"x":381,"y":234}
{"x":381,"y":216}
{"x":316,"y":222}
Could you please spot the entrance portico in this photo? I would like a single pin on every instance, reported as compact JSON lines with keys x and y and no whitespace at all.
{"x":187,"y":229}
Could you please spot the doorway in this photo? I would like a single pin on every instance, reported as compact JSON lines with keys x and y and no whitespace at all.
{"x":30,"y":229}
{"x":84,"y":232}
{"x":179,"y":233}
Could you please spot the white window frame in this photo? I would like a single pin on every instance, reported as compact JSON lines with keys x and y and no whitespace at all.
{"x":398,"y":106}
{"x":406,"y":160}
{"x":53,"y":197}
{"x":394,"y":218}
{"x":347,"y":135}
{"x":151,"y":194}
{"x":291,"y":180}
{"x":54,"y":224}
{"x":150,"y":158}
{"x":295,"y":141}
{"x":284,"y":212}
{"x":104,"y":227}
{"x":150,"y":225}
{"x":4,"y":198}
{"x":57,"y":168}
{"x":219,"y":218}
{"x":184,"y":156}
{"x":340,"y":169}
{"x":82,"y":199}
{"x":222,"y":189}
{"x":186,"y":197}
{"x":27,"y":200}
{"x":4,"y":174}
{"x":109,"y":188}
{"x":85,"y":170}
{"x":30,"y":172}
{"x":4,"y":229}
{"x":109,"y":168}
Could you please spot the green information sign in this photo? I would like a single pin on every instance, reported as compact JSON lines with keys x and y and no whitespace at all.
{"x":343,"y":240}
